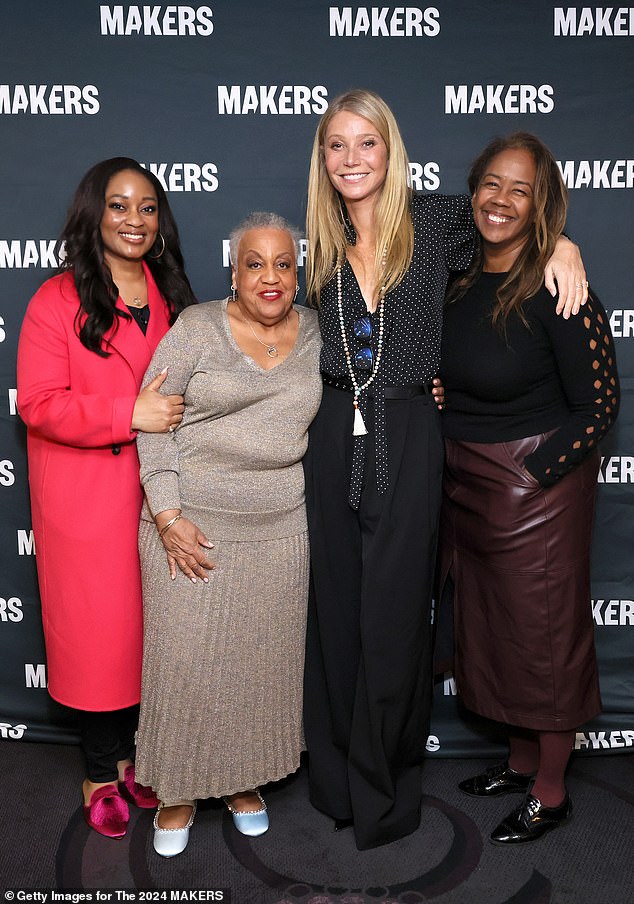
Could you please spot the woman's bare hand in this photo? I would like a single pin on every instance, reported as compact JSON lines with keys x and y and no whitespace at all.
{"x":438,"y":392}
{"x":156,"y":413}
{"x":566,"y":275}
{"x":183,"y":541}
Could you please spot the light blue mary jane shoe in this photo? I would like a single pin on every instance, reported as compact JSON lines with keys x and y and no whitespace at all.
{"x":250,"y":822}
{"x":169,"y":842}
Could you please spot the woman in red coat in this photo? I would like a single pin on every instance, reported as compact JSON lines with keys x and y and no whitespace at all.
{"x":88,"y":336}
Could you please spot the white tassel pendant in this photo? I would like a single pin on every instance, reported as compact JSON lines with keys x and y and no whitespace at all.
{"x":359,"y":428}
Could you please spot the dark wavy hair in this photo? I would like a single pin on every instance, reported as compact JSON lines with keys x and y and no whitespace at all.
{"x":83,"y":254}
{"x":526,"y":276}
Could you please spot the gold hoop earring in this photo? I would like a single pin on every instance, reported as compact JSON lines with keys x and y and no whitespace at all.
{"x":155,"y":257}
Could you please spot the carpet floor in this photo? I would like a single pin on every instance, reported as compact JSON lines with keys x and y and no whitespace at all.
{"x":45,"y":844}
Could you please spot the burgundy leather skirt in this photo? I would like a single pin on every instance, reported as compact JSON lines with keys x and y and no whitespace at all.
{"x":519,"y":556}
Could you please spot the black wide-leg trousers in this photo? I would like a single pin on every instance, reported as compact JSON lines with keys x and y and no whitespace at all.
{"x":368,"y":680}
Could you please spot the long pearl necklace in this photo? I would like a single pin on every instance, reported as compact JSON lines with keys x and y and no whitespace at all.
{"x":359,"y":428}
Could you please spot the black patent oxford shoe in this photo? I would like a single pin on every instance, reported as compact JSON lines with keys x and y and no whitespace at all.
{"x":496,"y":780}
{"x":341,"y":824}
{"x":531,"y":820}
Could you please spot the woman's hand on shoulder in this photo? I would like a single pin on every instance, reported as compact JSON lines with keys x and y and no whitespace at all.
{"x":156,"y":413}
{"x":183,"y":540}
{"x":566,"y":275}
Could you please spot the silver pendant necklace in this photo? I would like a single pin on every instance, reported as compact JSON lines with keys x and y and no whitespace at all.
{"x":271,"y":350}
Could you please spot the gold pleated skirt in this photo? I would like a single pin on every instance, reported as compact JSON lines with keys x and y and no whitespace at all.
{"x":221,"y":701}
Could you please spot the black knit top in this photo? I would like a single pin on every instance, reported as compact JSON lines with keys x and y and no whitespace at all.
{"x":555,"y":374}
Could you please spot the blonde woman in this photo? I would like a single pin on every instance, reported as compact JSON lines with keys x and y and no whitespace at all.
{"x":378,"y":266}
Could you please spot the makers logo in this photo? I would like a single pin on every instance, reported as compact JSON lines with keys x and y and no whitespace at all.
{"x":185,"y":176}
{"x":597,"y":173}
{"x":7,"y":477}
{"x":603,"y":21}
{"x":11,"y":609}
{"x":499,"y":99}
{"x":433,"y":744}
{"x":170,"y":21}
{"x":603,"y":740}
{"x":15,"y":732}
{"x":424,"y":176}
{"x":264,"y":99}
{"x":613,"y":613}
{"x":49,"y":100}
{"x":384,"y":21}
{"x":622,"y":323}
{"x":26,"y":543}
{"x":35,"y":675}
{"x":616,"y":469}
{"x":18,"y":255}
{"x":301,"y":258}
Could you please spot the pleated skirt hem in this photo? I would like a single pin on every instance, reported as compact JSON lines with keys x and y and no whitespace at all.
{"x":221,"y":703}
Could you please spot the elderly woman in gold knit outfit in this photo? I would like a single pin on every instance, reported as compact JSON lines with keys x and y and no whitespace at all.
{"x":221,"y":709}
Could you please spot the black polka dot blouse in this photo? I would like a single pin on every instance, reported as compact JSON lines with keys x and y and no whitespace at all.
{"x":444,"y":236}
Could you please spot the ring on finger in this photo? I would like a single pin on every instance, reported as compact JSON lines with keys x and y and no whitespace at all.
{"x":171,"y":428}
{"x":582,"y":285}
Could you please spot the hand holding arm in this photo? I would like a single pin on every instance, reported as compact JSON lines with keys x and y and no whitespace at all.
{"x":156,"y":413}
{"x":566,"y":274}
{"x":438,"y":392}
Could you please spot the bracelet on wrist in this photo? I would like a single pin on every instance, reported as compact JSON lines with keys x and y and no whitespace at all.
{"x":169,"y":524}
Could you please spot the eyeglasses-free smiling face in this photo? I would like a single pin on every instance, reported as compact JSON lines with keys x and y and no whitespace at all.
{"x":129,"y":224}
{"x":504,"y":205}
{"x":266,"y":274}
{"x":355,"y":157}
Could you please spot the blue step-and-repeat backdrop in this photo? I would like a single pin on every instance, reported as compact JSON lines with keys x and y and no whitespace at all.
{"x":221,"y":101}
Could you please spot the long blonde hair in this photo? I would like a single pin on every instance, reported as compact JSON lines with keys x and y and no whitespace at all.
{"x":393,"y":218}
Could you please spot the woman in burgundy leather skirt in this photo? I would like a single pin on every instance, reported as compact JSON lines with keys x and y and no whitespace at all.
{"x":526,"y":408}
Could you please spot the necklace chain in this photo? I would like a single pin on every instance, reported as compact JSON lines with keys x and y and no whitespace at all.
{"x":138,"y":301}
{"x":271,"y":350}
{"x":358,"y":427}
{"x":358,"y":389}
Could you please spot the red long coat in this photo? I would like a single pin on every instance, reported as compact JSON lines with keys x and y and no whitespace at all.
{"x":85,"y":493}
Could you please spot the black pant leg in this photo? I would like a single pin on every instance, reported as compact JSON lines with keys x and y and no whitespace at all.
{"x":333,"y":639}
{"x":106,"y":738}
{"x":128,"y":724}
{"x":368,"y":671}
{"x":392,"y":705}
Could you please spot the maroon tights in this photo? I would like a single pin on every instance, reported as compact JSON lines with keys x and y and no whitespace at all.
{"x":544,"y":754}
